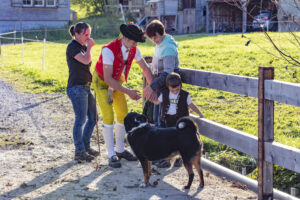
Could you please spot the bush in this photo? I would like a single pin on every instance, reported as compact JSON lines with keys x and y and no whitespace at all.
{"x":234,"y":161}
{"x":103,"y":26}
{"x":283,"y":179}
{"x":229,"y":157}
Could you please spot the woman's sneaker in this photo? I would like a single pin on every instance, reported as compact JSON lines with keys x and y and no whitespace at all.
{"x":83,"y":156}
{"x":92,"y":152}
{"x":114,"y":162}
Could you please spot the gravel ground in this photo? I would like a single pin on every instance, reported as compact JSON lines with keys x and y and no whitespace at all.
{"x":37,"y":160}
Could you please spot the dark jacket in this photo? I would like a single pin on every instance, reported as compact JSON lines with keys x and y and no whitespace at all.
{"x":182,"y":109}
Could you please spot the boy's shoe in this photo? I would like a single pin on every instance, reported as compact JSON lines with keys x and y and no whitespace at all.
{"x":83,"y":156}
{"x":92,"y":152}
{"x":163,"y":164}
{"x":114,"y":162}
{"x":178,"y":162}
{"x":127,"y":155}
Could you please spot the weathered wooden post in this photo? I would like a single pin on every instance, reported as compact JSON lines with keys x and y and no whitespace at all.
{"x":293,"y":191}
{"x":265,"y":134}
{"x":148,"y":60}
{"x":244,"y":171}
{"x":244,"y":23}
{"x":207,"y":16}
{"x":206,"y":155}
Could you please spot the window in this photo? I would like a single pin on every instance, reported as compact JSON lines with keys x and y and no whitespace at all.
{"x":204,"y":11}
{"x":50,"y":3}
{"x":38,"y":3}
{"x":27,"y":2}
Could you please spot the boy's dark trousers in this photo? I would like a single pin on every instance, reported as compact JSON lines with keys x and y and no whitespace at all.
{"x":170,"y":120}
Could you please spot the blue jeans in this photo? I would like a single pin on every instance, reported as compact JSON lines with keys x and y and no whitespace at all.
{"x":84,"y":105}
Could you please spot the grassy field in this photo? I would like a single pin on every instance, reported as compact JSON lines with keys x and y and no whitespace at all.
{"x":220,"y":53}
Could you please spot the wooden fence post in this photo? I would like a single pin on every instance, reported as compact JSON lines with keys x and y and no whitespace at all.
{"x":148,"y":60}
{"x":293,"y":191}
{"x":207,"y":16}
{"x":265,"y":134}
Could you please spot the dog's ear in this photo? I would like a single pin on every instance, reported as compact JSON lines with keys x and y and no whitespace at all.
{"x":129,"y":121}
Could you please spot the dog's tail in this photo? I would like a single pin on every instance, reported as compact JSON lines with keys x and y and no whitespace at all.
{"x":186,"y":124}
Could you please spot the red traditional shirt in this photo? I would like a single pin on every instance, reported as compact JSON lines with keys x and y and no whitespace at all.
{"x":119,"y":64}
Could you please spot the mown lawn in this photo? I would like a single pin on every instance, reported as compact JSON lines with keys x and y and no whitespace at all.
{"x":219,"y":53}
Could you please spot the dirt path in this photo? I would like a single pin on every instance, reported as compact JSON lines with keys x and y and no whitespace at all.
{"x":37,"y":159}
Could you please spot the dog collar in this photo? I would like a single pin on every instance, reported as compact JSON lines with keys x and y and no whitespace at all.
{"x":140,"y":126}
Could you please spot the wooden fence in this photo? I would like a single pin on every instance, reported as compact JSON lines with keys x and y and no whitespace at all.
{"x":262,"y":147}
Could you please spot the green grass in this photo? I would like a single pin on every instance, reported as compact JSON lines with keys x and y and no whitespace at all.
{"x":220,"y":53}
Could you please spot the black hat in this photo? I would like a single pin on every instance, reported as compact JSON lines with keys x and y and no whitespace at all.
{"x":133,"y":32}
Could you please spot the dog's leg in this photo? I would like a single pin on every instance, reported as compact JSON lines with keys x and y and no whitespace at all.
{"x":197,"y":164}
{"x":149,"y":169}
{"x":189,"y":169}
{"x":147,"y":172}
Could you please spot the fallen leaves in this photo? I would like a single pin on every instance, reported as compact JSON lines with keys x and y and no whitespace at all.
{"x":207,"y":174}
{"x":9,"y":184}
{"x":239,"y":185}
{"x":97,"y":167}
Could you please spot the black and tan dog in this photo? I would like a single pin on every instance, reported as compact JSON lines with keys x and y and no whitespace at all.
{"x":150,"y":143}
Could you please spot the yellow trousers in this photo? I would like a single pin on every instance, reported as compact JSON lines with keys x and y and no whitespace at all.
{"x":119,"y":104}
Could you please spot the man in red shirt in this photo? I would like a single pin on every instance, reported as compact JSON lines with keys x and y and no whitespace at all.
{"x":111,"y":70}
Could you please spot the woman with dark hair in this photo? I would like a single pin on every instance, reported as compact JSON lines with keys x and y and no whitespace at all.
{"x":79,"y":60}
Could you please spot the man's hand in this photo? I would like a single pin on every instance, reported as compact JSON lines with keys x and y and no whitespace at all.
{"x":133,"y":94}
{"x":149,"y":93}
